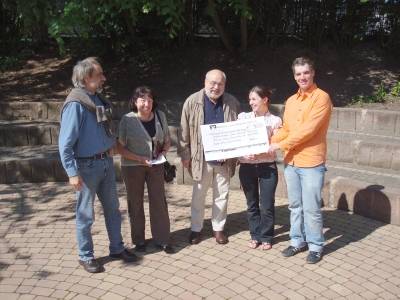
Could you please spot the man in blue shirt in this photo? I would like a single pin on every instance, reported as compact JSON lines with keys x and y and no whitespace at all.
{"x":85,"y":145}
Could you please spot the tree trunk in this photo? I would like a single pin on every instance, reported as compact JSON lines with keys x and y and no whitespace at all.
{"x":243,"y":33}
{"x":189,"y":17}
{"x":126,"y":14}
{"x":212,"y":11}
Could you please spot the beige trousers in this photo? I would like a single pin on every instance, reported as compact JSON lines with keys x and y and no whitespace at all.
{"x":218,"y":177}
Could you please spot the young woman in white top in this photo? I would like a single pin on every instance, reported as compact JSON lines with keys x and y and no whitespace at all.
{"x":259,"y":175}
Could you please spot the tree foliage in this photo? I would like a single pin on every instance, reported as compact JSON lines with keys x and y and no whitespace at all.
{"x":121,"y":26}
{"x":118,"y":21}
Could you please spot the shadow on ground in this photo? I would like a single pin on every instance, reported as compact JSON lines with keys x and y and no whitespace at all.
{"x":17,"y":208}
{"x":341,"y":228}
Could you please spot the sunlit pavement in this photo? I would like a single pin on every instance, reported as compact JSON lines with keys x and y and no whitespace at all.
{"x":38,"y":256}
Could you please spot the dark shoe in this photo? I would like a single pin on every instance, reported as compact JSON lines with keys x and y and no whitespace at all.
{"x":220,"y":237}
{"x":167,"y":248}
{"x":125,"y":255}
{"x":91,"y":266}
{"x":194,"y":238}
{"x":290,"y":251}
{"x":313,"y":257}
{"x":140,"y":248}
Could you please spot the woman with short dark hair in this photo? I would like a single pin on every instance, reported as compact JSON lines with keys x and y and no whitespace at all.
{"x":144,"y":132}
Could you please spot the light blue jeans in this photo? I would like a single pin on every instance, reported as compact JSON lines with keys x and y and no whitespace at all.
{"x":99,"y":178}
{"x":304,"y":187}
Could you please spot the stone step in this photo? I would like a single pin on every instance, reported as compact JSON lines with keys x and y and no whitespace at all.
{"x":372,"y":192}
{"x":28,"y":133}
{"x":349,"y":147}
{"x":368,"y":191}
{"x":40,"y":132}
{"x":369,"y":121}
{"x":30,"y":164}
{"x":379,"y":122}
{"x":50,"y":110}
{"x":367,"y":150}
{"x":42,"y":155}
{"x":369,"y":175}
{"x":41,"y":164}
{"x":47,"y":110}
{"x":18,"y":110}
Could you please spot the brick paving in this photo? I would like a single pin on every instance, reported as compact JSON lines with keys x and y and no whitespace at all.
{"x":38,"y":255}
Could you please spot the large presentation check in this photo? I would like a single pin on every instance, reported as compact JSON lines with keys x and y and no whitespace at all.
{"x":234,"y":139}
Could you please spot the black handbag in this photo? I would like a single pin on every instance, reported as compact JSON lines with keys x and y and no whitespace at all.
{"x":169,"y":170}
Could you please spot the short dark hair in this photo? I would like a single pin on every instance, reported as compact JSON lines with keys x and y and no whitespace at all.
{"x":301,"y":61}
{"x":140,"y":92}
{"x":261,"y":91}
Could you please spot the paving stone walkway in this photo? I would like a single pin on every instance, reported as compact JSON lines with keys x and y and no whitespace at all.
{"x":38,"y":255}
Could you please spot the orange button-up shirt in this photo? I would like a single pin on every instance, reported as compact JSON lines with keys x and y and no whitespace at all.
{"x":305,"y":125}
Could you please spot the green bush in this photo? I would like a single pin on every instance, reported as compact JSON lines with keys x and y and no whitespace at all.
{"x":379,"y":96}
{"x":395,"y":91}
{"x":8,"y":62}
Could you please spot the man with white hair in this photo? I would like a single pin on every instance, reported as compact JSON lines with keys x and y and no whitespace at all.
{"x":85,"y":145}
{"x":208,"y":106}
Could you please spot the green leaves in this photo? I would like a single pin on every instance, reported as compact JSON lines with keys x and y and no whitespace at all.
{"x":118,"y":19}
{"x":241,"y":8}
{"x":379,"y":96}
{"x":395,"y":91}
{"x":123,"y":24}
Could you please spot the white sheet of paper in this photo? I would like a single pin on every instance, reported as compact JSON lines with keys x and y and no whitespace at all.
{"x":159,"y":160}
{"x":234,"y":139}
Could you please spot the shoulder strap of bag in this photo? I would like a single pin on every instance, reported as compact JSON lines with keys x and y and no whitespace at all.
{"x":158,"y":116}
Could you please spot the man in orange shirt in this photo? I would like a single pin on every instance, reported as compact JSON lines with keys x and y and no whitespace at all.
{"x":303,"y":140}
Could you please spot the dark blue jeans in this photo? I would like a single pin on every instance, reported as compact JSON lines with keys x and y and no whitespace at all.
{"x":259,"y":184}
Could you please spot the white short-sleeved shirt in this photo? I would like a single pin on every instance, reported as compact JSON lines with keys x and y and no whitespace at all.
{"x":273,"y":123}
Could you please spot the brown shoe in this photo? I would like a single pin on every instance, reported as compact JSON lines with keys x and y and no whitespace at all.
{"x":195,"y":237}
{"x":220,"y":237}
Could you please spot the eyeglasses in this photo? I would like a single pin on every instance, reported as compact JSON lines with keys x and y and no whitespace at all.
{"x":144,"y":100}
{"x":215,"y":83}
